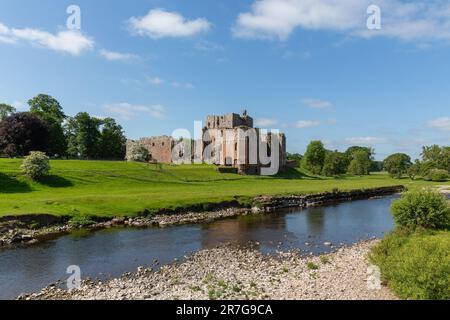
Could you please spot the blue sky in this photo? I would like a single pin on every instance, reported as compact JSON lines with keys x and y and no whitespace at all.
{"x":309,"y":68}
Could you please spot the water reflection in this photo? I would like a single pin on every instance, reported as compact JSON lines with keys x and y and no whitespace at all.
{"x":112,"y":252}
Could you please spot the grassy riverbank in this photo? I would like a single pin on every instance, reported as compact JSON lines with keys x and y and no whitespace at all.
{"x":101,"y":188}
{"x":416,"y":265}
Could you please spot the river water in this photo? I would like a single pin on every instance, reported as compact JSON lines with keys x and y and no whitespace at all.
{"x":110,"y":253}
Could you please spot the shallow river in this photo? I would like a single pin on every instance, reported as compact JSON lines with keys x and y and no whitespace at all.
{"x":112,"y":252}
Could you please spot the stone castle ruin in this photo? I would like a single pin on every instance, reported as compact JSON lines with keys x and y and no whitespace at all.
{"x":229,"y":141}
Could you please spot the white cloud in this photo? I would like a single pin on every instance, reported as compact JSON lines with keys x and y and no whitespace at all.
{"x":265,"y":122}
{"x":302,"y":124}
{"x":440,"y":124}
{"x":127,"y":111}
{"x":156,"y":81}
{"x":5,"y":35}
{"x":316,"y":103}
{"x":365,"y":140}
{"x":179,"y":85}
{"x":407,"y":21}
{"x":117,"y":56}
{"x":69,"y":41}
{"x":159,"y":23}
{"x":204,"y":45}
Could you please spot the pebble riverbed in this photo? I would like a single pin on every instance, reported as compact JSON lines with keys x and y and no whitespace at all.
{"x":230,"y":272}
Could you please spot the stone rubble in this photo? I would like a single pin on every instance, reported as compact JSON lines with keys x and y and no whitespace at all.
{"x":230,"y":272}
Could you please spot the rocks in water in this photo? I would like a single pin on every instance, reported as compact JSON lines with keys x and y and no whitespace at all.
{"x":328,"y":244}
{"x":18,"y":238}
{"x":257,"y":210}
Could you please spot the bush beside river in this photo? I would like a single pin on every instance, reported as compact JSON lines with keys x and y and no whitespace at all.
{"x":415,"y":258}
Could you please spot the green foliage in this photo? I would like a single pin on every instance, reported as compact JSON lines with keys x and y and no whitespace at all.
{"x":83,"y":136}
{"x":352,"y":150}
{"x":93,"y":138}
{"x":438,"y":175}
{"x":438,"y":157}
{"x":6,"y":110}
{"x":314,"y":157}
{"x":36,"y":165}
{"x":294,"y":157}
{"x":137,"y":153}
{"x":434,"y":157}
{"x":81,"y":220}
{"x":376,"y":166}
{"x":49,"y":110}
{"x":46,"y":107}
{"x":312,"y":266}
{"x":397,"y":164}
{"x":414,"y":170}
{"x":119,"y":188}
{"x":360,"y":163}
{"x":421,"y":209}
{"x":335,"y":164}
{"x":415,"y":266}
{"x":324,"y":259}
{"x":112,"y":140}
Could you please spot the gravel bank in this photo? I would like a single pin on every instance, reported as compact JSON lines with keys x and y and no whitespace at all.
{"x":229,"y":272}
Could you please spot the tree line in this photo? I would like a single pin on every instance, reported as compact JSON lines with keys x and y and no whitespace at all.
{"x":356,"y":160}
{"x":45,"y":127}
{"x":433,"y":165}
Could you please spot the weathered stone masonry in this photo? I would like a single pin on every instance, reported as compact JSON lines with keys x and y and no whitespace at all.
{"x":159,"y":148}
{"x":234,"y":150}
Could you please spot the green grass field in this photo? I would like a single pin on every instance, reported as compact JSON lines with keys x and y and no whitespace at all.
{"x":102,"y":188}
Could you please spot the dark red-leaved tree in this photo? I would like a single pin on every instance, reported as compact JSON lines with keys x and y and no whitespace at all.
{"x":23,"y":132}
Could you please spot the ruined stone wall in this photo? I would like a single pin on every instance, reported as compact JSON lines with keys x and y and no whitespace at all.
{"x":234,"y":150}
{"x":160,"y":148}
{"x":228,"y":121}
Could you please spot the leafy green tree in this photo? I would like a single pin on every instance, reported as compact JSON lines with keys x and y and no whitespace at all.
{"x":49,"y":109}
{"x":294,"y":156}
{"x":83,"y":136}
{"x":46,"y":106}
{"x":370,"y":152}
{"x":335,"y":163}
{"x":314,"y":157}
{"x":414,"y":170}
{"x":6,"y":110}
{"x":436,"y":157}
{"x":397,"y":164}
{"x":23,"y":132}
{"x":376,"y":166}
{"x":112,"y":140}
{"x":360,"y":163}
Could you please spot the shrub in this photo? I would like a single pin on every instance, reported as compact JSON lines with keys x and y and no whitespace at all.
{"x":425,"y":209}
{"x":415,"y":266}
{"x":137,"y":152}
{"x":36,"y":165}
{"x":437,"y":175}
{"x":312,"y":266}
